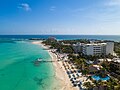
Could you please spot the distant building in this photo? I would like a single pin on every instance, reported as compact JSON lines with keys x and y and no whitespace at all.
{"x":109,"y":48}
{"x":94,"y":48}
{"x":77,"y":47}
{"x":65,"y":44}
{"x":115,"y":67}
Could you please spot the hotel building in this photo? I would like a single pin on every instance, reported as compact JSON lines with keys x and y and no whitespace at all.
{"x":94,"y":48}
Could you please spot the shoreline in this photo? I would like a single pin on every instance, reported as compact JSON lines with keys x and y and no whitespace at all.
{"x":60,"y":72}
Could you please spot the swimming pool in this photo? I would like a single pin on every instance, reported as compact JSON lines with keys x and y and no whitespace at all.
{"x":100,"y":78}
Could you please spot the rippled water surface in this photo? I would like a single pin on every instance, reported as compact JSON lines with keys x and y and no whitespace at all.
{"x":17,"y":70}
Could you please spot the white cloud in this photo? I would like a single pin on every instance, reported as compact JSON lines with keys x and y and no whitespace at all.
{"x":112,"y":3}
{"x":25,"y":6}
{"x":52,"y":8}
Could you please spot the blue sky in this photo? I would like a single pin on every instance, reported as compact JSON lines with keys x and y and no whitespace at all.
{"x":89,"y":17}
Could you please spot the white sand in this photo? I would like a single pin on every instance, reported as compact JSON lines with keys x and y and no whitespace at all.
{"x":59,"y":71}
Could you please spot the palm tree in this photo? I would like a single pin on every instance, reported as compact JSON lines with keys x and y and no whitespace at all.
{"x":112,"y":83}
{"x":82,"y":61}
{"x":117,"y":87}
{"x":88,"y":85}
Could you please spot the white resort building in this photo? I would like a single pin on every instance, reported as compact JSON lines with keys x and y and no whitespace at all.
{"x":94,"y":48}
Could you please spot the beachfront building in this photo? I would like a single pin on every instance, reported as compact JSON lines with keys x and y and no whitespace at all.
{"x":77,"y":47}
{"x":94,"y":48}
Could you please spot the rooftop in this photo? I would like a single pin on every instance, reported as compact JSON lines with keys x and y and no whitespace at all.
{"x":96,"y":44}
{"x":116,"y":60}
{"x":89,"y":44}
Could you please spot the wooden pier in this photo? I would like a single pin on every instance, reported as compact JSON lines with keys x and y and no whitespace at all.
{"x":38,"y":61}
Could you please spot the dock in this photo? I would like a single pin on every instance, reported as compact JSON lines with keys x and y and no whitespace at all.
{"x":39,"y":60}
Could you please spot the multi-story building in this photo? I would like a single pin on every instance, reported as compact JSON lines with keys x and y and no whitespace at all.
{"x":95,"y":48}
{"x":115,"y":67}
{"x":109,"y":48}
{"x":77,"y":47}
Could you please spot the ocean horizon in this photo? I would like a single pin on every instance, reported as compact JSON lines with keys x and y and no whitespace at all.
{"x":64,"y":37}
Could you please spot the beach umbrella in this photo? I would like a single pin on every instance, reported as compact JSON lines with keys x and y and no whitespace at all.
{"x":74,"y":84}
{"x":77,"y":74}
{"x":69,"y":76}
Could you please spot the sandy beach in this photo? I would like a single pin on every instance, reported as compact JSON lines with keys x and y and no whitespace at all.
{"x":60,"y":72}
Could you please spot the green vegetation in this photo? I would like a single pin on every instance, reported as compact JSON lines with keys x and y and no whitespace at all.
{"x":88,"y":85}
{"x":109,"y":85}
{"x":75,"y":41}
{"x":65,"y":46}
{"x":79,"y":62}
{"x":117,"y":48}
{"x":106,"y":65}
{"x":59,"y":46}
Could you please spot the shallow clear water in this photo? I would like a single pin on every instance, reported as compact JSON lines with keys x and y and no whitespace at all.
{"x":17,"y":71}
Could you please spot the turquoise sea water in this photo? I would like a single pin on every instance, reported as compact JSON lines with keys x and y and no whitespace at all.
{"x":17,"y":71}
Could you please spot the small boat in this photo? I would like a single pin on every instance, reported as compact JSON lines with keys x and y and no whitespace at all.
{"x":39,"y":59}
{"x":37,"y":62}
